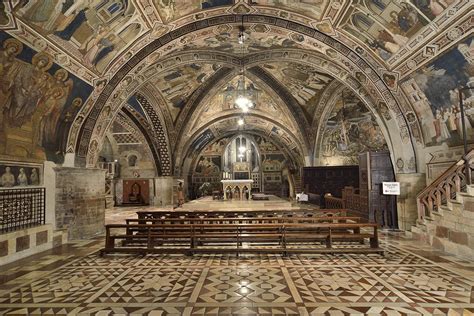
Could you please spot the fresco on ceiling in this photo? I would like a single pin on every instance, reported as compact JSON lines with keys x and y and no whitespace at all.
{"x":208,"y":165}
{"x":225,"y":38}
{"x":265,"y":145}
{"x":435,"y":95}
{"x":351,"y":129}
{"x":93,"y":31}
{"x":170,"y":10}
{"x":305,"y":83}
{"x":38,"y":101}
{"x":224,"y":100}
{"x":177,"y":84}
{"x":226,"y":126}
{"x":202,"y":141}
{"x":216,"y":148}
{"x":4,"y":20}
{"x":387,"y":25}
{"x":133,"y":102}
{"x":283,"y":136}
{"x":310,"y":8}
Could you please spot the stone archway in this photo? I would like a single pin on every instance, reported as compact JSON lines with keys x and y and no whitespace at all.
{"x":90,"y":135}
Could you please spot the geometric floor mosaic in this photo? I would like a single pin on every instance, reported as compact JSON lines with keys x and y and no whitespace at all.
{"x":75,"y":280}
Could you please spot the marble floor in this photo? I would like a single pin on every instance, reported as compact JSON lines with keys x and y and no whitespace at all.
{"x":273,"y":203}
{"x":411,"y":279}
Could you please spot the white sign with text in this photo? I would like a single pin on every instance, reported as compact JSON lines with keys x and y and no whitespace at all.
{"x":391,"y":188}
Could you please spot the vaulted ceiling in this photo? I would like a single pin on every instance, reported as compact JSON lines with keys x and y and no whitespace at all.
{"x":182,"y":58}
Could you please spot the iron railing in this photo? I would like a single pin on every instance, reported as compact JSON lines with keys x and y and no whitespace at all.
{"x":21,"y":208}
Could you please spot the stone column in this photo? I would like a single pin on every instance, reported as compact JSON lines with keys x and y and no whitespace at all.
{"x":80,"y":201}
{"x":410,"y":185}
{"x":50,"y":185}
{"x":225,"y":192}
{"x":164,"y":195}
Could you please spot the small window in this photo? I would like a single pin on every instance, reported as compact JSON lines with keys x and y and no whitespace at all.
{"x":132,"y":161}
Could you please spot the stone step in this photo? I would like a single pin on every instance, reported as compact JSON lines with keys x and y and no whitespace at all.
{"x":419,"y":232}
{"x":444,"y":208}
{"x":454,"y":205}
{"x":470,"y":189}
{"x":468,"y":202}
{"x":419,"y":228}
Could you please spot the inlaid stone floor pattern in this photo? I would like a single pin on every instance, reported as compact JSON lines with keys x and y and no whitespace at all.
{"x":408,"y":280}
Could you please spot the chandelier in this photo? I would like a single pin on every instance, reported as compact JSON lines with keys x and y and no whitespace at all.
{"x":242,"y":101}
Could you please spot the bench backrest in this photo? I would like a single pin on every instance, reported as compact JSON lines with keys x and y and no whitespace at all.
{"x":333,"y":219}
{"x":237,"y":225}
{"x":245,"y":213}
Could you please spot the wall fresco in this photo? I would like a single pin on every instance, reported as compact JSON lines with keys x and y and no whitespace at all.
{"x":18,"y":175}
{"x":351,"y":129}
{"x":208,"y":165}
{"x":434,"y":92}
{"x":38,"y":100}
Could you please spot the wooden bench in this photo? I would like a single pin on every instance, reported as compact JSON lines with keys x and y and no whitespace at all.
{"x":237,"y":220}
{"x":213,"y":237}
{"x":222,"y":220}
{"x":242,"y":213}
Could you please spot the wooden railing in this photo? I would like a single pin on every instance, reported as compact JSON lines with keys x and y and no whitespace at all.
{"x":351,"y":199}
{"x":332,"y":202}
{"x":354,"y":201}
{"x":445,"y":187}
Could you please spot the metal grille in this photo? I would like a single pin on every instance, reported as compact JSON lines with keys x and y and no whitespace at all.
{"x":21,"y":208}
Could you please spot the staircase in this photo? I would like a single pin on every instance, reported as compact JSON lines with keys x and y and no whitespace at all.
{"x":446,"y":211}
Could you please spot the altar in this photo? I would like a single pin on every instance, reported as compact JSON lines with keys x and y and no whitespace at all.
{"x":237,"y":188}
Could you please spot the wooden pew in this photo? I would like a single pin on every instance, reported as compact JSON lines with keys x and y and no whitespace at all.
{"x":236,"y":220}
{"x":242,"y":213}
{"x":284,"y":238}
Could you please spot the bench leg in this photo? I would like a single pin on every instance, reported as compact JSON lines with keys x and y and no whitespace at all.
{"x":329,"y":241}
{"x":374,"y":242}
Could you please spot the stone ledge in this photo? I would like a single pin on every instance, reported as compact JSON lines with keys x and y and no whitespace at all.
{"x":25,"y":242}
{"x":459,"y":238}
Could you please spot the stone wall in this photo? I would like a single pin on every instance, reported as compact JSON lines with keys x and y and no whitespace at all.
{"x":80,"y":201}
{"x":410,"y":185}
{"x":451,"y":229}
{"x":164,"y":191}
